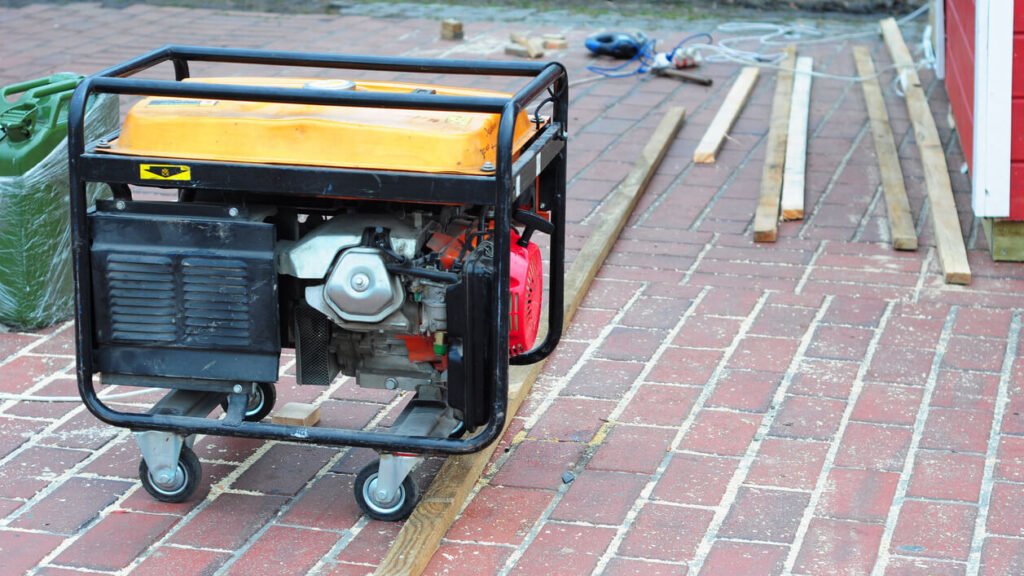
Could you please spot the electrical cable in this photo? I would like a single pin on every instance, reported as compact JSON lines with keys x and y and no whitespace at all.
{"x":766,"y":34}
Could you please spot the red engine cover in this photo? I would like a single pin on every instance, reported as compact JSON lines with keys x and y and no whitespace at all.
{"x":527,"y":288}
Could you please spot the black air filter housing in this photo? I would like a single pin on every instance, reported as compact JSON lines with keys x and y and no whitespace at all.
{"x":184,"y":291}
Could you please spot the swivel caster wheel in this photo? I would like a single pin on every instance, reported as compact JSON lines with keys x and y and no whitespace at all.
{"x":261,"y":402}
{"x":178,"y":488}
{"x":398,"y":508}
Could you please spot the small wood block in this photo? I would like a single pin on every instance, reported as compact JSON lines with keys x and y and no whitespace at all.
{"x":517,"y":50}
{"x":451,"y":29}
{"x":555,"y":42}
{"x":296,"y":414}
{"x":533,"y":44}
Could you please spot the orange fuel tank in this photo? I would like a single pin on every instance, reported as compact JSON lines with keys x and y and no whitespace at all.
{"x":315,"y":135}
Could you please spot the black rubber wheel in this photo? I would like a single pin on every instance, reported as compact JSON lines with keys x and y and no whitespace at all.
{"x":187,"y":476}
{"x":260,"y":403}
{"x":399,"y":509}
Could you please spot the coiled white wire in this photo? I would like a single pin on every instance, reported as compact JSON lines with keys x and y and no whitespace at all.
{"x":767,"y":34}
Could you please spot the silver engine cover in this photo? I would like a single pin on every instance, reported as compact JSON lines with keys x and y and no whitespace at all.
{"x":360,"y":289}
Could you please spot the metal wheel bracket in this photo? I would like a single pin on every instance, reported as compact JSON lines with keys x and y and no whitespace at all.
{"x":238,"y":404}
{"x":161,"y":451}
{"x":391,"y":473}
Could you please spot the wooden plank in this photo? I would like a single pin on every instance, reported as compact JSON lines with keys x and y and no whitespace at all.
{"x":534,"y":45}
{"x":793,"y":181}
{"x":726,"y":116}
{"x":422,"y":532}
{"x":296,"y":414}
{"x":766,"y":218}
{"x":949,"y":239}
{"x":901,"y":220}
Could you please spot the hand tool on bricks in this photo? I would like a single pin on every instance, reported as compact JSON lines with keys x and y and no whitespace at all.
{"x":384,"y":231}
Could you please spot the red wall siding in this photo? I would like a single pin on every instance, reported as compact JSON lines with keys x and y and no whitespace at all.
{"x":960,"y":69}
{"x":960,"y":86}
{"x":1017,"y":136}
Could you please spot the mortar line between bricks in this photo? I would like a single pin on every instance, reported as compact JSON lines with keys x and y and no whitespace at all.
{"x":799,"y":289}
{"x":684,"y":428}
{"x":935,"y":560}
{"x":347,"y":537}
{"x":988,"y":479}
{"x":858,"y":234}
{"x":78,"y":569}
{"x":833,"y":449}
{"x":590,"y":450}
{"x":843,"y":163}
{"x":743,"y":469}
{"x":882,"y":561}
{"x":697,"y":261}
{"x":652,"y":560}
{"x":922,"y":276}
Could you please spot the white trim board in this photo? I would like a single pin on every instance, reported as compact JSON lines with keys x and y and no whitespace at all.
{"x":993,"y":100}
{"x":938,"y":9}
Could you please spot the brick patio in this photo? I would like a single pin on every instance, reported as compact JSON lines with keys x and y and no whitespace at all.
{"x":822,"y":405}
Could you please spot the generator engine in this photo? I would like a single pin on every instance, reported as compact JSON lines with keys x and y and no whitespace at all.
{"x":377,"y":290}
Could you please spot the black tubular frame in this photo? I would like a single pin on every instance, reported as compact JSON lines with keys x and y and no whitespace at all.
{"x":544,"y":159}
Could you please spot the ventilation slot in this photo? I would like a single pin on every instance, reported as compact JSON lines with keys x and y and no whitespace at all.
{"x":141,"y":296}
{"x":216,"y":297}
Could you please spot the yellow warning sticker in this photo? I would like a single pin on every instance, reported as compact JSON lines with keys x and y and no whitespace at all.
{"x":165,"y":172}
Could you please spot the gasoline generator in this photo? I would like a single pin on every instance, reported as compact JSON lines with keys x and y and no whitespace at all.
{"x":390,"y":232}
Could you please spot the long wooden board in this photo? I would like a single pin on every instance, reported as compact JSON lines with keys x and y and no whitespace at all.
{"x":793,"y":180}
{"x":901,"y":220}
{"x":423,"y":531}
{"x":766,"y":218}
{"x":726,"y":116}
{"x":949,"y":239}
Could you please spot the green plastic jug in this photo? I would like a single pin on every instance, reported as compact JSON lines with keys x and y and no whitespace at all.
{"x":36,"y":287}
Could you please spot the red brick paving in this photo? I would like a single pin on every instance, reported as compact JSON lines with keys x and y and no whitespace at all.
{"x":822,"y":405}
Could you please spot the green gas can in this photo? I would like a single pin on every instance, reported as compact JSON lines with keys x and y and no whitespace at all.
{"x":35,"y":259}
